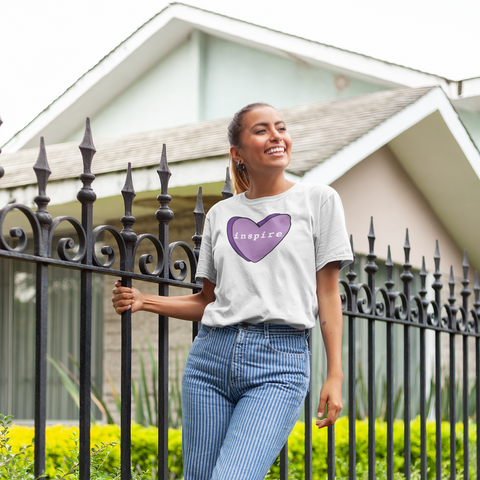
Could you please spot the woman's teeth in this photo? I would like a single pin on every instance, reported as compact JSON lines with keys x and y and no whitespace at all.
{"x":275,"y":150}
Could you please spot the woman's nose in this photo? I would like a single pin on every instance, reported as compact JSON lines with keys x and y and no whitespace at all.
{"x":276,"y":135}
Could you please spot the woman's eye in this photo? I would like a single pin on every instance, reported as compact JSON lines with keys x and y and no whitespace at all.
{"x":259,"y":131}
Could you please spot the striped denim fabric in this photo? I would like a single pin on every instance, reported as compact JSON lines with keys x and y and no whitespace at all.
{"x":243,"y":389}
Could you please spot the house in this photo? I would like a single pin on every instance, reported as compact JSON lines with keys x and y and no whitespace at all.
{"x":397,"y":144}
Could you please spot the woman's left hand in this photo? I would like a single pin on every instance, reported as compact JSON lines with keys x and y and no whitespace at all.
{"x":331,"y":397}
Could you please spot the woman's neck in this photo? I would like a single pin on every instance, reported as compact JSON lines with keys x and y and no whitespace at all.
{"x":268,"y":187}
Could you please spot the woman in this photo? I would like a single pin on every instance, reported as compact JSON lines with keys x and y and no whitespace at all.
{"x":269,"y":261}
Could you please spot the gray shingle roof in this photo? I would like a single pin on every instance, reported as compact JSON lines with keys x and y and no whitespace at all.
{"x":318,"y":130}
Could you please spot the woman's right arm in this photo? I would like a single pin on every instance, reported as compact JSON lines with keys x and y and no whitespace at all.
{"x":188,"y":307}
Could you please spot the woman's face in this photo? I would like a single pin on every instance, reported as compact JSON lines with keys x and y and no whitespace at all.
{"x":265,"y":142}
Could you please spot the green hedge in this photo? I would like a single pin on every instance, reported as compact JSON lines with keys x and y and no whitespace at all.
{"x":296,"y":449}
{"x":60,"y":443}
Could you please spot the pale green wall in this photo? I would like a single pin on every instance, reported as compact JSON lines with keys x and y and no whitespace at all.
{"x":237,"y":75}
{"x":207,"y":78}
{"x":165,"y":96}
{"x":472,"y":122}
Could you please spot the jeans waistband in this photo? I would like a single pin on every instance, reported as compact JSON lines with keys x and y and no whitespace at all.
{"x":268,"y":328}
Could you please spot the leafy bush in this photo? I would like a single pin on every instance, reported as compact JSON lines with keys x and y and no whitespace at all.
{"x":62,"y":450}
{"x":296,"y":449}
{"x":61,"y":447}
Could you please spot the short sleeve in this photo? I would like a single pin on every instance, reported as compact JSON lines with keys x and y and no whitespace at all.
{"x":331,"y":238}
{"x":205,"y":267}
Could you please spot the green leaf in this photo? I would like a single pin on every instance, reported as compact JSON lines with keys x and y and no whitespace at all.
{"x":66,"y":380}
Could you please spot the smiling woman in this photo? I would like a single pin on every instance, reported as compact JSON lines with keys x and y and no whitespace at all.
{"x":259,"y":141}
{"x":268,"y":268}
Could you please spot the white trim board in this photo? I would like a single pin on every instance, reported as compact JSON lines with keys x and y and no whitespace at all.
{"x":344,"y":160}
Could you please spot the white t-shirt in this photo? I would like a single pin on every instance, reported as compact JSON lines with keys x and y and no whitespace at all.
{"x":263,"y":255}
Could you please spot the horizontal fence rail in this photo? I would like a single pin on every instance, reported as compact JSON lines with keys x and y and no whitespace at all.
{"x":366,"y":302}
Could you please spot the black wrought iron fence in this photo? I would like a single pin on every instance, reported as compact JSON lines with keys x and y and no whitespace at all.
{"x":359,"y":301}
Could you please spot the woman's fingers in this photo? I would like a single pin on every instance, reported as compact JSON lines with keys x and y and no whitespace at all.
{"x":331,"y":399}
{"x":330,"y":419}
{"x":122,"y":298}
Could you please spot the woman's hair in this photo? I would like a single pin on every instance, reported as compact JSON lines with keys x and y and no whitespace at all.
{"x":240,"y":180}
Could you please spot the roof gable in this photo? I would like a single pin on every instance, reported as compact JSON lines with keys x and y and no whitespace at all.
{"x":172,"y":26}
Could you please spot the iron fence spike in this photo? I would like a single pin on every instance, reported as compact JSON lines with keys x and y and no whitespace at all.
{"x":423,"y":271}
{"x":371,"y":236}
{"x":199,"y":205}
{"x":87,"y":147}
{"x":128,"y":191}
{"x":199,"y":215}
{"x":163,"y":171}
{"x":389,"y":268}
{"x":407,"y":240}
{"x":389,"y":257}
{"x":451,"y":286}
{"x":423,"y":279}
{"x":227,"y":188}
{"x":407,"y":248}
{"x":371,"y":232}
{"x":42,"y":169}
{"x":465,"y":264}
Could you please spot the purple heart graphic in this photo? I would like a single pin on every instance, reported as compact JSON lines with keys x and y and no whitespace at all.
{"x":254,"y":241}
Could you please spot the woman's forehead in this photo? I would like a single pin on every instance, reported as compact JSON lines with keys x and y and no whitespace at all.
{"x":262,"y":115}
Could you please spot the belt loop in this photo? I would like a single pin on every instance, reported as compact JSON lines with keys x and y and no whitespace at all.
{"x":265,"y":329}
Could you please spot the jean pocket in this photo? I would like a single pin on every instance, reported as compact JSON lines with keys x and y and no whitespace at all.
{"x":204,"y":332}
{"x":292,"y":345}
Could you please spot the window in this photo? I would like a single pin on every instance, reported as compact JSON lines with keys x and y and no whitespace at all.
{"x":17,"y":338}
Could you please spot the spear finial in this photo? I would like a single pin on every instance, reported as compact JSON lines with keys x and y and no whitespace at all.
{"x":42,"y":169}
{"x":42,"y":172}
{"x":199,"y":215}
{"x":227,"y":188}
{"x":164,"y":172}
{"x":87,"y":148}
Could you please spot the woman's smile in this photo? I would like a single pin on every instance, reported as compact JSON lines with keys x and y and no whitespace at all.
{"x":265,"y":138}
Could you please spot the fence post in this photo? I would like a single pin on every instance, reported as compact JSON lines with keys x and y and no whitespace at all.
{"x":437,"y":287}
{"x":42,"y":171}
{"x":199,"y":214}
{"x":371,"y":268}
{"x":476,"y":306}
{"x":164,"y":216}
{"x":86,"y":197}
{"x":465,"y":293}
{"x":390,"y":349}
{"x":453,"y":418}
{"x":406,"y":277}
{"x":352,"y":381}
{"x":130,"y":239}
{"x":423,"y":378}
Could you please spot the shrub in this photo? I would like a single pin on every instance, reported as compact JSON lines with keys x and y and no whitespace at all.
{"x":296,"y":449}
{"x":61,"y":442}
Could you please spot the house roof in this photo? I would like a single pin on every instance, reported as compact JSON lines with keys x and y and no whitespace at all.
{"x":164,"y":32}
{"x":319,"y":131}
{"x":419,"y":126}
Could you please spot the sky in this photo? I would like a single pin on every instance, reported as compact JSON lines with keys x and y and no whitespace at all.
{"x":46,"y":45}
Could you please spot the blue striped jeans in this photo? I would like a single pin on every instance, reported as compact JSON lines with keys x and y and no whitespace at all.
{"x":242,"y":391}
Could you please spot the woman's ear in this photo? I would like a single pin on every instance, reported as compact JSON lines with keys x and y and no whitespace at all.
{"x":235,"y":153}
